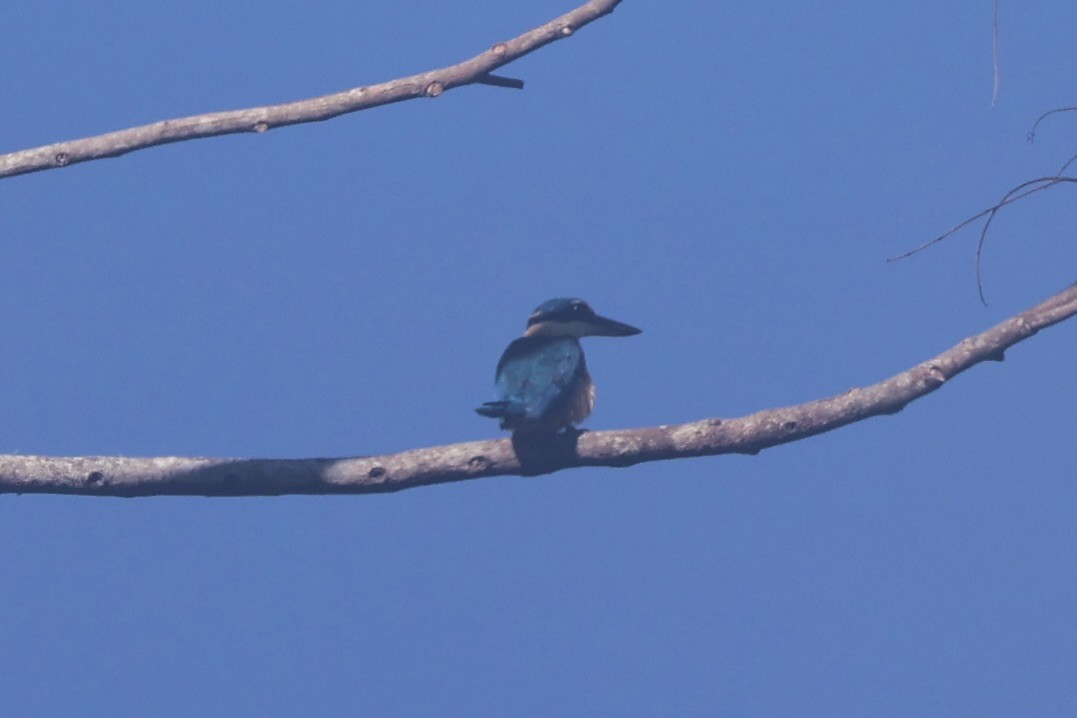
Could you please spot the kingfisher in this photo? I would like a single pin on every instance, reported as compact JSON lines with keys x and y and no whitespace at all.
{"x":541,"y":380}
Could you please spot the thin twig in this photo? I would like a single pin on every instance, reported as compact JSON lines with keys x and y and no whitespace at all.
{"x":1017,"y":193}
{"x":1066,"y":166}
{"x":499,"y":81}
{"x":122,"y":476}
{"x":1041,"y":184}
{"x":1031,"y":136}
{"x":994,"y":54}
{"x":261,"y":119}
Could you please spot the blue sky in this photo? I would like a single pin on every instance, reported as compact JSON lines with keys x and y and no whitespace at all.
{"x":728,"y":177}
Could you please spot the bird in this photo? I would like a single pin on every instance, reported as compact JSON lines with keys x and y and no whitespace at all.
{"x":541,"y":381}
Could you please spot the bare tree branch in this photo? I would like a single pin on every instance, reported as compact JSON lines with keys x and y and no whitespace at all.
{"x":121,"y":476}
{"x":260,"y":119}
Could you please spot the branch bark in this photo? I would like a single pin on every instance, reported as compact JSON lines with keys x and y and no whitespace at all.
{"x":261,"y":119}
{"x":121,"y":476}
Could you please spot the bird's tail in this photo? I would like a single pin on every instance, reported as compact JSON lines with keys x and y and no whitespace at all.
{"x":504,"y":409}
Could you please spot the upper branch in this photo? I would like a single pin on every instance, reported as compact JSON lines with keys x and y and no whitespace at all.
{"x":315,"y":109}
{"x":118,"y":476}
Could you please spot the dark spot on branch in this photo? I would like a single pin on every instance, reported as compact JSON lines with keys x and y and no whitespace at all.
{"x":477,"y":464}
{"x":94,"y":477}
{"x":936,"y":374}
{"x":788,"y":425}
{"x":61,"y":159}
{"x":377,"y":472}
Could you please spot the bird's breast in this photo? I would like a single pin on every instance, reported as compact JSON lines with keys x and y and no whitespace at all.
{"x":582,"y":399}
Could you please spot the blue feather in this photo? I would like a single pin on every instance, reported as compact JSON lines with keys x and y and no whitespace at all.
{"x":536,"y":380}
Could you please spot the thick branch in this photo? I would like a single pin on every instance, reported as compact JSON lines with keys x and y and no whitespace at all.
{"x":315,"y":109}
{"x":116,"y":476}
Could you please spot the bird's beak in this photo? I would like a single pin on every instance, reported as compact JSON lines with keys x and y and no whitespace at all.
{"x":605,"y":327}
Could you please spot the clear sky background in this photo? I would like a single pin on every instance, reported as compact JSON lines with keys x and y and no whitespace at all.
{"x":729,"y":177}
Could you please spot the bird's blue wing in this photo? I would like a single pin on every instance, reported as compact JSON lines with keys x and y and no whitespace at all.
{"x":536,"y":371}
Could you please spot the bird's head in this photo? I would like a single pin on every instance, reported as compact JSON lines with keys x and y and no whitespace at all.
{"x":574,"y":318}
